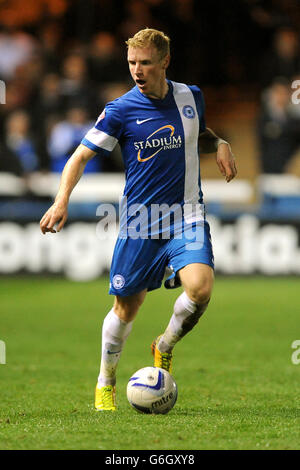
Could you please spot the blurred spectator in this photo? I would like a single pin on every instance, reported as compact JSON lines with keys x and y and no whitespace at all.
{"x":17,"y":96}
{"x":48,"y":101}
{"x":278,"y":129}
{"x":16,"y":48}
{"x":66,"y":136}
{"x":283,"y":60}
{"x":111,"y":91}
{"x":20,"y":142}
{"x":19,"y":13}
{"x":85,"y":17}
{"x":46,"y":111}
{"x":106,"y":64}
{"x":9,"y":161}
{"x":75,"y":87}
{"x":50,"y":38}
{"x":137,"y":16}
{"x":188,"y":53}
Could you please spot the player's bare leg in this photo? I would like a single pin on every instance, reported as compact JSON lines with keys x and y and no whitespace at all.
{"x":116,"y":328}
{"x":197,"y":280}
{"x":127,"y":307}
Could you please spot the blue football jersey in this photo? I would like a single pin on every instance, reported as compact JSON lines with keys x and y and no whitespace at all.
{"x":159,"y":143}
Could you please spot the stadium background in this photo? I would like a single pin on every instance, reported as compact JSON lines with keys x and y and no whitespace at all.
{"x":60,"y":62}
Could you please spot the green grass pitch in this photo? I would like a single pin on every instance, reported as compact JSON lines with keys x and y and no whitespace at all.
{"x":238,"y":388}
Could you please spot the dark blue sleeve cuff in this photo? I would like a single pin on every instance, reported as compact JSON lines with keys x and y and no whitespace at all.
{"x":91,"y":146}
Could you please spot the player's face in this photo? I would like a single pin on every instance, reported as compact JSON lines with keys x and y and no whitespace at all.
{"x":148,"y":70}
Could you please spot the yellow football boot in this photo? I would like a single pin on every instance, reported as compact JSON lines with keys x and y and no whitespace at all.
{"x":162,"y":360}
{"x":105,"y":398}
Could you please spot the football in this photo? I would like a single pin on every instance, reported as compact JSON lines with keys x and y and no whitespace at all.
{"x":152,"y":390}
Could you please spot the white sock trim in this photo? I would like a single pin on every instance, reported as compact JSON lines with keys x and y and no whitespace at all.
{"x":188,"y":304}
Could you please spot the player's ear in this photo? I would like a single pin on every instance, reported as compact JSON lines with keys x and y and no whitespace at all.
{"x":166,"y":61}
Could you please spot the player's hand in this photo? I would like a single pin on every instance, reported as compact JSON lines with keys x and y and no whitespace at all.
{"x":226,"y":162}
{"x":57,"y":214}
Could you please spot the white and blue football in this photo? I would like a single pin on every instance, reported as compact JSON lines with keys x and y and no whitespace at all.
{"x":152,"y":390}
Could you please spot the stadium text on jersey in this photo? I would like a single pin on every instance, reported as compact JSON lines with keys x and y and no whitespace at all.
{"x":158,"y":143}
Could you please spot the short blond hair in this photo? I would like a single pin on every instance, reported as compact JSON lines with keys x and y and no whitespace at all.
{"x":151,"y":37}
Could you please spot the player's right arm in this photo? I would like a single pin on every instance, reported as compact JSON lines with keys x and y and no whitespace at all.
{"x":102,"y":137}
{"x":73,"y":170}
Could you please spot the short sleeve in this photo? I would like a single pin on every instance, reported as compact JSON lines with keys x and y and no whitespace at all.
{"x":200,"y":104}
{"x":107,"y":130}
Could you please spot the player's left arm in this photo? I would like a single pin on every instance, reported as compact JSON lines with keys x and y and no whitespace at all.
{"x":209,"y":142}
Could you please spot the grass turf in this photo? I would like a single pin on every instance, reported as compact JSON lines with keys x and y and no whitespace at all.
{"x":238,"y":388}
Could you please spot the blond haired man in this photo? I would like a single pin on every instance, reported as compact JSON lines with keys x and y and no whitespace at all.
{"x":159,"y":125}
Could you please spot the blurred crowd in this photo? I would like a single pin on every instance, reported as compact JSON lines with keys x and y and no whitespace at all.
{"x":62,"y":60}
{"x":278,"y":126}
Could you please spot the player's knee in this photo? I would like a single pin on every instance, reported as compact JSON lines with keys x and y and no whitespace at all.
{"x":200,"y":294}
{"x":127,"y":308}
{"x":126,"y":312}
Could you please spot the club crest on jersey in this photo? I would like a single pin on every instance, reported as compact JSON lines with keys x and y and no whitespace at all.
{"x":102,"y":116}
{"x":118,"y":281}
{"x":188,"y":112}
{"x":158,"y":143}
